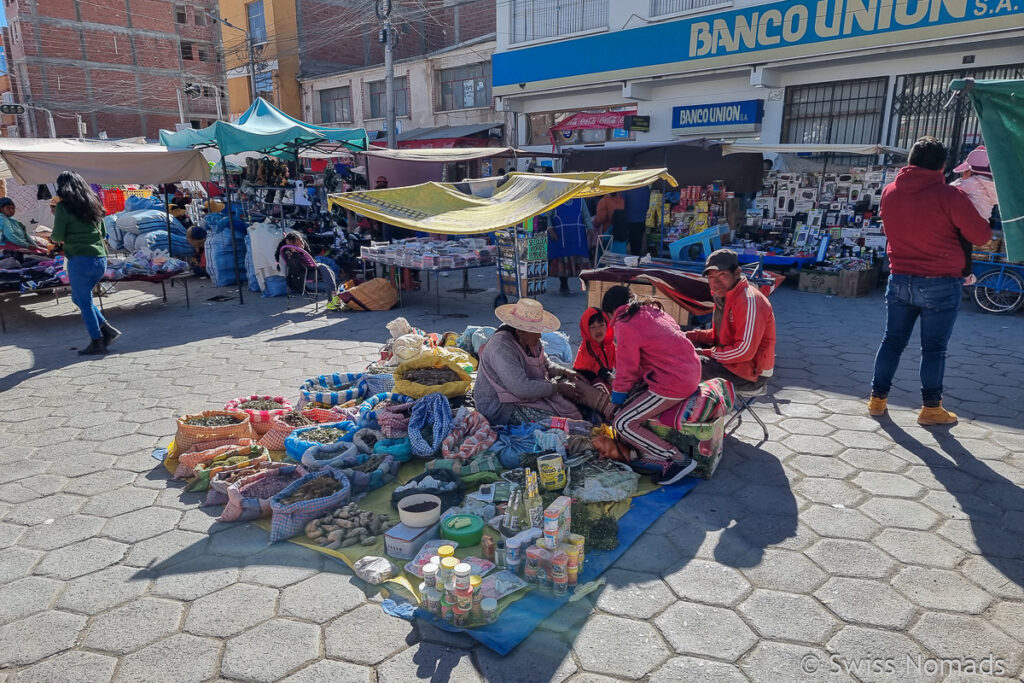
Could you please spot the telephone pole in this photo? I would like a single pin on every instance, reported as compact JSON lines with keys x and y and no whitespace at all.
{"x":387,"y":37}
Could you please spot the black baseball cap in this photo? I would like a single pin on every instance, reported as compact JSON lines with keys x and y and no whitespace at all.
{"x":6,"y":201}
{"x":723,"y":259}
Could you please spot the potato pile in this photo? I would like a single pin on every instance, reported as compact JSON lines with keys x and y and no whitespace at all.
{"x":347,"y":526}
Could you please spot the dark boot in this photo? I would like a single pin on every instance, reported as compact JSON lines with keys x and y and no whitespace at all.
{"x":110,"y":333}
{"x":96,"y":347}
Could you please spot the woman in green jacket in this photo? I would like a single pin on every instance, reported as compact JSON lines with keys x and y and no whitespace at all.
{"x":78,"y":224}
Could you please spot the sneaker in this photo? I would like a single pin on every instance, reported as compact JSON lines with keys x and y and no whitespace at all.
{"x":676,"y":471}
{"x":334,"y":304}
{"x":936,"y":415}
{"x":877,"y":406}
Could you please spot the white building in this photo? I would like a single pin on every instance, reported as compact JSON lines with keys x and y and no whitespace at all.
{"x":443,"y":99}
{"x":805,"y":71}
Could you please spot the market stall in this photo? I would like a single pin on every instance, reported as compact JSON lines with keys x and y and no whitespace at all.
{"x":404,"y":167}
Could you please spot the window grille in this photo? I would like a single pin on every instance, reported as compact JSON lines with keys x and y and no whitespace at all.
{"x":537,"y":19}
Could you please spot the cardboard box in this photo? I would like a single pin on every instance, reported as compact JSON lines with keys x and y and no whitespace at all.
{"x":702,"y":441}
{"x":819,"y":282}
{"x":597,"y":288}
{"x":854,"y":283}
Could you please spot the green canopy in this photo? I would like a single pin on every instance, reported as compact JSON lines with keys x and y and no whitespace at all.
{"x":265,"y":128}
{"x":1000,"y":107}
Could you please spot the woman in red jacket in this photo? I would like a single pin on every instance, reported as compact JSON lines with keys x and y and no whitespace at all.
{"x":652,"y":352}
{"x":595,"y":360}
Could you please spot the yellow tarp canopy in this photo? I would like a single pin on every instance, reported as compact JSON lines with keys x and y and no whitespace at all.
{"x":444,"y":208}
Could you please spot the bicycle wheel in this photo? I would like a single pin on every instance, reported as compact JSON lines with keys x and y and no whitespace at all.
{"x":998,"y":292}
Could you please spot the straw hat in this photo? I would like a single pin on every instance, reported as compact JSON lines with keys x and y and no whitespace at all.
{"x":527,"y":315}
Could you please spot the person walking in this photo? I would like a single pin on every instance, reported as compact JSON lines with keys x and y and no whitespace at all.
{"x":78,"y":225}
{"x":924,"y":221}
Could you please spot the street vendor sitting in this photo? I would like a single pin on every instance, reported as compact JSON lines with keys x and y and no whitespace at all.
{"x":740,"y":346}
{"x":14,"y":232}
{"x":516,"y":382}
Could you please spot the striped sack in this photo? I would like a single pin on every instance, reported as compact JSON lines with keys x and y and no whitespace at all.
{"x":368,"y":409}
{"x":713,"y":399}
{"x":260,"y":418}
{"x":337,"y":455}
{"x":471,"y":435}
{"x":289,"y":519}
{"x":332,"y":390}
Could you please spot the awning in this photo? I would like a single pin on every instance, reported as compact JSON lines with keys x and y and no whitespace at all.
{"x":33,"y":161}
{"x":442,"y":137}
{"x":591,"y":121}
{"x":479,"y":206}
{"x":867,"y":150}
{"x":448,"y":155}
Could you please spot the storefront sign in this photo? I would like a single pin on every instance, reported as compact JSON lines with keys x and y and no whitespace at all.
{"x":757,"y":33}
{"x":724,"y":117}
{"x":638,"y":124}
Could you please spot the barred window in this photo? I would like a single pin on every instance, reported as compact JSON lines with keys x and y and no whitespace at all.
{"x":844,"y":112}
{"x":465,"y":87}
{"x":336,"y":105}
{"x":537,"y":19}
{"x":660,"y":7}
{"x":377,"y":98}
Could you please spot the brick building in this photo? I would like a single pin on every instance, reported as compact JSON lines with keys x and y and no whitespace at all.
{"x":116,"y":63}
{"x":8,"y":124}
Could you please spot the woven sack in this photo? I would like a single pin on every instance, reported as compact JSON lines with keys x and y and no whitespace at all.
{"x":201,"y":453}
{"x":318,"y":413}
{"x":295,"y":445}
{"x":368,"y":408}
{"x":229,"y":461}
{"x":337,"y":455}
{"x":189,"y":435}
{"x":374,"y":295}
{"x":457,"y":387}
{"x":399,"y":449}
{"x":377,"y":383}
{"x":363,"y":482}
{"x":217,"y":493}
{"x":332,"y":390}
{"x":288,"y":519}
{"x":249,"y":498}
{"x":260,"y":418}
{"x":471,"y":435}
{"x":365,"y":439}
{"x":393,"y":419}
{"x":273,"y":440}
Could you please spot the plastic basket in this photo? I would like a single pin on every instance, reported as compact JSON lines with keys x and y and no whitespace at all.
{"x":113,"y":200}
{"x":141,"y":193}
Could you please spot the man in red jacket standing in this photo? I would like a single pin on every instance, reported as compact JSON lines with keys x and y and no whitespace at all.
{"x":740,"y":346}
{"x":924,"y":220}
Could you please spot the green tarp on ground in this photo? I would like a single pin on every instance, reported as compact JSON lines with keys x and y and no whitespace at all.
{"x":1000,"y":107}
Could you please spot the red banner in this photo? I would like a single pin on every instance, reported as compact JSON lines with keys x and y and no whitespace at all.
{"x":590,"y":121}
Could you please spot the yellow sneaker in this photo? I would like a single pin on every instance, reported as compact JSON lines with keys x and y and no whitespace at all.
{"x":334,"y":304}
{"x":929,"y":417}
{"x":877,"y":406}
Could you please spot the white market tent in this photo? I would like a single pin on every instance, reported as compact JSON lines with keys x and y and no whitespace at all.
{"x":756,"y":148}
{"x":35,"y":161}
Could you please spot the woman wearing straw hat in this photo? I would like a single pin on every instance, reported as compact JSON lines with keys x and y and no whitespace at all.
{"x":516,"y":381}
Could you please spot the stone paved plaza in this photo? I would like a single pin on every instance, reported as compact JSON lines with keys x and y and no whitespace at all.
{"x":844,"y":548}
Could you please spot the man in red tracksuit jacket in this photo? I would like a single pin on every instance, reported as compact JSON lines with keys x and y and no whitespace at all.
{"x":740,"y":346}
{"x":924,"y":220}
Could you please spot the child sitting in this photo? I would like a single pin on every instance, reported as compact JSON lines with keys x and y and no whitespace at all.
{"x":293,"y":251}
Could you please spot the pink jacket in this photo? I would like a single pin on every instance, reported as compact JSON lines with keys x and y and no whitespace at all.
{"x":981,"y":192}
{"x":650,"y":347}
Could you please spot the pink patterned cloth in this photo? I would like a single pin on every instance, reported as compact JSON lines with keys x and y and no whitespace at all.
{"x":471,"y":435}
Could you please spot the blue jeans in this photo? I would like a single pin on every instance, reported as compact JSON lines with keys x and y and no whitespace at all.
{"x":936,"y":300}
{"x":84,"y":272}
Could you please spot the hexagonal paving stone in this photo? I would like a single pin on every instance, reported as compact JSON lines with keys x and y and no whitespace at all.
{"x":281,"y":565}
{"x":22,"y":469}
{"x":962,"y":506}
{"x":592,"y":647}
{"x":785,"y":571}
{"x":787,"y":616}
{"x":243,"y":540}
{"x":119,"y":501}
{"x":544,"y":657}
{"x":813,"y":445}
{"x":865,"y":653}
{"x":431,"y":662}
{"x":45,"y":484}
{"x":27,"y":596}
{"x":81,"y":558}
{"x":881,"y":461}
{"x":954,"y":636}
{"x":99,"y":482}
{"x":772,"y":662}
{"x":982,"y":572}
{"x":196,"y":579}
{"x":328,"y":671}
{"x":182,"y":658}
{"x":854,"y":422}
{"x":70,"y":667}
{"x":941,"y":589}
{"x":138,"y":623}
{"x":693,"y":670}
{"x":701,"y":630}
{"x":321,"y":597}
{"x":898,"y":512}
{"x":132,"y":527}
{"x":367,"y":635}
{"x":169,"y":548}
{"x":99,"y":591}
{"x":16,"y":563}
{"x":271,"y":650}
{"x":709,"y":582}
{"x":822,"y":466}
{"x":9,"y":534}
{"x":838,"y":522}
{"x":633,"y":594}
{"x":37,"y":637}
{"x":1009,"y":616}
{"x":828,"y":491}
{"x":39,"y":510}
{"x":797,"y":425}
{"x":851,"y":558}
{"x":887,"y":484}
{"x":943,"y":479}
{"x":865,"y":602}
{"x":918,"y":547}
{"x":862,"y":439}
{"x":83,"y":462}
{"x":61,"y":532}
{"x":16,"y":493}
{"x":231,"y":610}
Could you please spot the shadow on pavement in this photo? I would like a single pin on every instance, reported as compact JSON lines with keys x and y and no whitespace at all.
{"x":992,"y":503}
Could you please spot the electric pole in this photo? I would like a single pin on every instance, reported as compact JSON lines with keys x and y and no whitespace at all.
{"x":383,"y":8}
